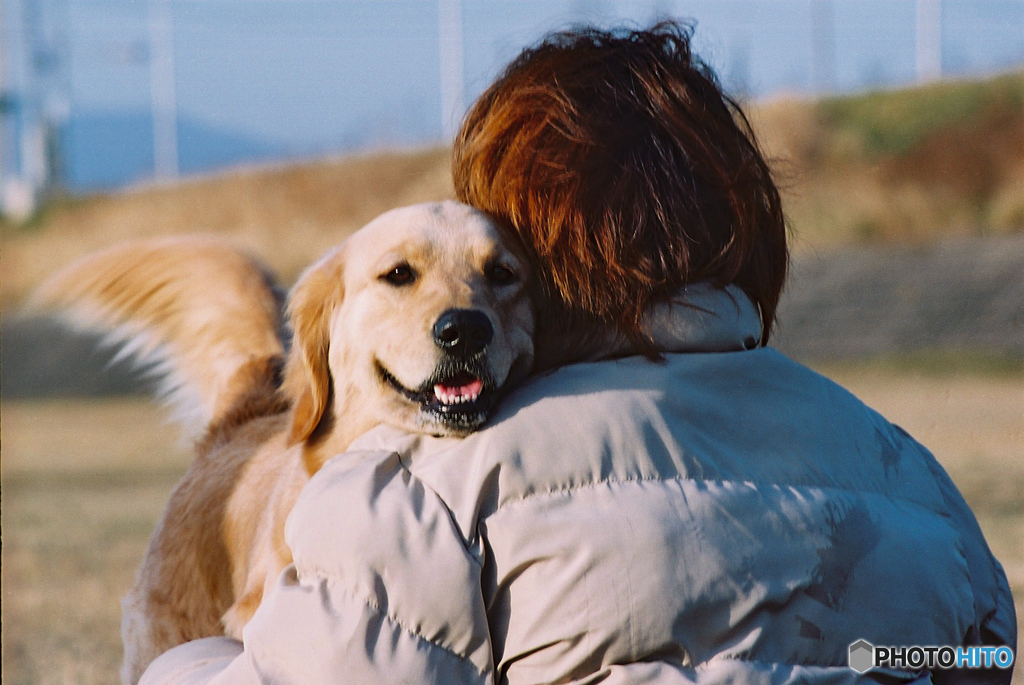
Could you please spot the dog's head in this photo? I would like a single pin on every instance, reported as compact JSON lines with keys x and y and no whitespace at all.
{"x":418,"y":320}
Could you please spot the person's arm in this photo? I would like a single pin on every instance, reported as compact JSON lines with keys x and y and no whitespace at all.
{"x":996,"y":621}
{"x":383,"y":589}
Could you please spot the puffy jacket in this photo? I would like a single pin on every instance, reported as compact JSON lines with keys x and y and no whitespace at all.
{"x":725,"y":515}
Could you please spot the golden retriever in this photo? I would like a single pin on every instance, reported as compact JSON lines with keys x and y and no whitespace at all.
{"x":418,"y":320}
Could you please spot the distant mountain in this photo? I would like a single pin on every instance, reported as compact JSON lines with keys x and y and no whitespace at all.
{"x":105,"y":150}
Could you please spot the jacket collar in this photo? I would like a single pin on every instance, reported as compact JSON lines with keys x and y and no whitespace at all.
{"x":699,"y":318}
{"x":702,"y":318}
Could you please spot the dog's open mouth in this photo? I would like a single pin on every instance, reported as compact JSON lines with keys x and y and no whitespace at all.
{"x":457,"y":396}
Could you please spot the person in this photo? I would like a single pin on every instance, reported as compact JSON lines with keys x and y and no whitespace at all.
{"x":670,"y":500}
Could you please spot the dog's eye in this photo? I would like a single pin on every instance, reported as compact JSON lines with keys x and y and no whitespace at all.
{"x":499,"y":274}
{"x":400,"y":275}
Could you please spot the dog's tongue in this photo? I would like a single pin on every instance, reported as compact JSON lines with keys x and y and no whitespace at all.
{"x":447,"y":393}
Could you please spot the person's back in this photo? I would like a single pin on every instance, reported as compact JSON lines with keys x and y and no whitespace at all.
{"x":725,"y":515}
{"x":719,"y":514}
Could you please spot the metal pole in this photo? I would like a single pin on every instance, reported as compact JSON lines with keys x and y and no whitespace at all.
{"x":928,"y":41}
{"x":162,"y":90}
{"x":452,"y":65}
{"x":34,"y":171}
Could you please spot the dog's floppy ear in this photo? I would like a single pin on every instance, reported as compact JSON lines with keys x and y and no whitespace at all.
{"x":307,"y":378}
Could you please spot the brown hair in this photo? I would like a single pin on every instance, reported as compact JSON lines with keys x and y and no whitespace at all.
{"x":628,"y":172}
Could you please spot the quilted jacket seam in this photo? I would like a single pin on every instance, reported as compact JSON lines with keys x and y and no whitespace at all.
{"x":568,"y":490}
{"x":347,"y":591}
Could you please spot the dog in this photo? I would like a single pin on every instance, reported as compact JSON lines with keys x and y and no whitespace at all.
{"x":418,"y":320}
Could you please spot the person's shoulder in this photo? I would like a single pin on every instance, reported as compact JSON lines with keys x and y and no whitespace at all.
{"x":567,"y":385}
{"x":617,"y":420}
{"x":635,"y":388}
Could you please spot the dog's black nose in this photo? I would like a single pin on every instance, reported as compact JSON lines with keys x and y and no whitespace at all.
{"x":463,"y":332}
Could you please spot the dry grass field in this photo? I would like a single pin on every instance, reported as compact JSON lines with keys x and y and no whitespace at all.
{"x":84,"y":481}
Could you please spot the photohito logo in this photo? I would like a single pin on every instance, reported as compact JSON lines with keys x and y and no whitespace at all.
{"x":863,"y":656}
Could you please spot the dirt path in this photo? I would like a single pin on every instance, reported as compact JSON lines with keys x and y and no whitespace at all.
{"x":948,"y":297}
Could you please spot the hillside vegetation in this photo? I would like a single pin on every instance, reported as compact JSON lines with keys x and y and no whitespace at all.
{"x":909,"y":165}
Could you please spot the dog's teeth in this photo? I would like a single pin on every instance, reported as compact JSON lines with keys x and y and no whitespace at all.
{"x":458,"y":395}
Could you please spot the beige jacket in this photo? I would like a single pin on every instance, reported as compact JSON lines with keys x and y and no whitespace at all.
{"x":724,"y":516}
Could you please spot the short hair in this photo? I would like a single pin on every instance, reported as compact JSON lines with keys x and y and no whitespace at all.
{"x":627,"y":171}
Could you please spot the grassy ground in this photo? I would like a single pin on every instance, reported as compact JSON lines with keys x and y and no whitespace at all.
{"x":901,"y":166}
{"x":83,"y":483}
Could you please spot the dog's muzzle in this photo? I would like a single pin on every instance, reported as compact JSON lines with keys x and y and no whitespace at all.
{"x":461,"y":392}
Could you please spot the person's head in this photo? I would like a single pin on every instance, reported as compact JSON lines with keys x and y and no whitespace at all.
{"x":622,"y":165}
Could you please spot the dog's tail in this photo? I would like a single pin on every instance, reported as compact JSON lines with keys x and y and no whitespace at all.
{"x":203,"y":316}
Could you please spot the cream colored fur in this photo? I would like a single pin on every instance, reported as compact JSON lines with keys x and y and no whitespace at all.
{"x":209,"y":316}
{"x":195,"y":308}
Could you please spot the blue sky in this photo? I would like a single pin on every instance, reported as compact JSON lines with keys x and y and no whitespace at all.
{"x":294,"y":78}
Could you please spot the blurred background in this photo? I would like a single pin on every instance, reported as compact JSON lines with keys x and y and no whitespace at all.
{"x":99,"y":94}
{"x":895,"y":128}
